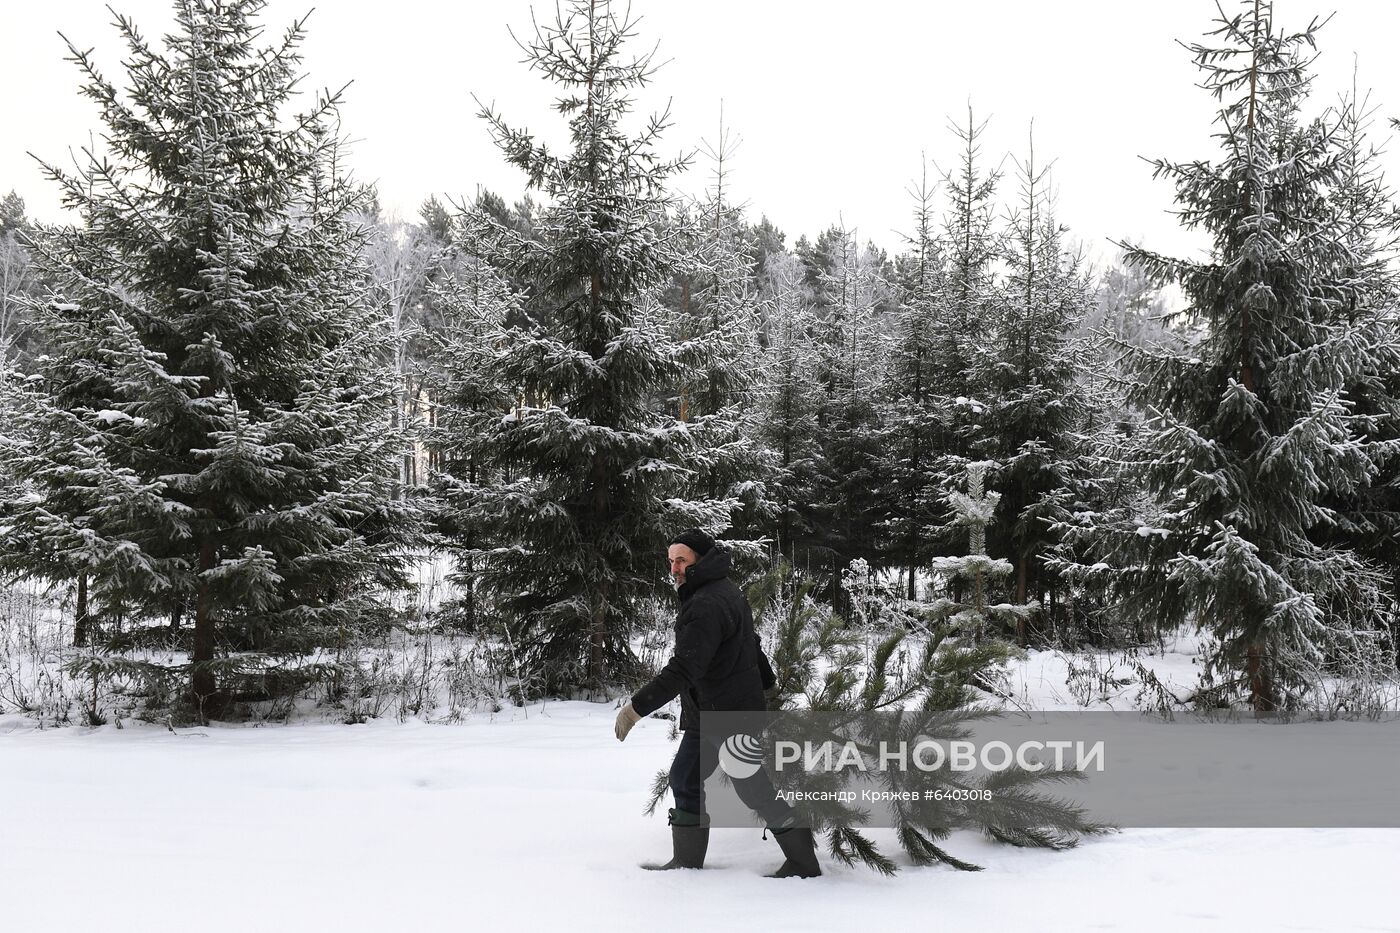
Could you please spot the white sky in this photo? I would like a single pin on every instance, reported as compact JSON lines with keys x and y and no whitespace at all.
{"x":834,"y":101}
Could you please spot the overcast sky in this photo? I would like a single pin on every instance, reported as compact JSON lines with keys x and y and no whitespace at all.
{"x":834,"y":102}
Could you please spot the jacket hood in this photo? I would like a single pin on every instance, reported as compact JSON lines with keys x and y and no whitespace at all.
{"x":713,"y":565}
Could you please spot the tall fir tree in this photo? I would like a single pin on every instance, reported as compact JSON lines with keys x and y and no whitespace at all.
{"x":719,"y":310}
{"x":1367,"y":218}
{"x":477,"y":303}
{"x":970,"y":247}
{"x":590,"y":471}
{"x":1253,"y":429}
{"x":852,"y":355}
{"x":208,"y":438}
{"x":1035,"y":405}
{"x":961,"y":327}
{"x":912,"y":424}
{"x":789,"y":407}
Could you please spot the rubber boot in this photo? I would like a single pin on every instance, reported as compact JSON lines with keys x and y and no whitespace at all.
{"x":690,"y":838}
{"x":800,"y":849}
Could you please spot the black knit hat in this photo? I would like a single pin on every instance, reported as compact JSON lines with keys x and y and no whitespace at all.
{"x":696,"y":540}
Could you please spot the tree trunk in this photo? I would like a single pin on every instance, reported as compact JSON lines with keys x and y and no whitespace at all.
{"x":598,"y":630}
{"x":597,"y":637}
{"x":202,"y":685}
{"x":1261,"y":684}
{"x":80,"y":614}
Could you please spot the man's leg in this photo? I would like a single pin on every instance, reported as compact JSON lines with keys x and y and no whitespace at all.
{"x":758,"y":794}
{"x":756,"y":791}
{"x":690,"y":827}
{"x":687,"y":781}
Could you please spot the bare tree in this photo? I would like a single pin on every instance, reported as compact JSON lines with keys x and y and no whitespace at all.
{"x":17,"y":280}
{"x":401,"y":260}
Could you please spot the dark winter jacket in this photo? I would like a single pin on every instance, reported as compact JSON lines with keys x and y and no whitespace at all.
{"x":718,"y":664}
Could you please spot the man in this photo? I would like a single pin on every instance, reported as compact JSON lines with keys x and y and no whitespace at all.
{"x":718,"y":665}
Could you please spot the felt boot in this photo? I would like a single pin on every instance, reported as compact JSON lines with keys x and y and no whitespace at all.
{"x":690,"y":837}
{"x":800,"y":849}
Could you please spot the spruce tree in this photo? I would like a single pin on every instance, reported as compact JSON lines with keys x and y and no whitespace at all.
{"x":970,"y":248}
{"x":912,"y":422}
{"x":1035,"y":405}
{"x":1367,"y":220}
{"x":789,"y":404}
{"x":719,"y":311}
{"x":208,"y":437}
{"x":855,"y":296}
{"x":932,"y":679}
{"x":477,"y":303}
{"x":1253,"y":429}
{"x":589,"y":471}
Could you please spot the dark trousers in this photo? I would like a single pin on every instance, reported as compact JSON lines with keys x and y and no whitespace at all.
{"x":697,"y":759}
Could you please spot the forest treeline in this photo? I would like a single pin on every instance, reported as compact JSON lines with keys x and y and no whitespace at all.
{"x":239,"y":402}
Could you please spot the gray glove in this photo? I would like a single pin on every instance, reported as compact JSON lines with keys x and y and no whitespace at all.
{"x":627,"y":717}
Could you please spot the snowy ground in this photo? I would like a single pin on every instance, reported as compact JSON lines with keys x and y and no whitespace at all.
{"x":532,"y":820}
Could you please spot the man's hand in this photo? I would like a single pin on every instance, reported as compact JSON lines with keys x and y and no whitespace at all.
{"x":627,"y":717}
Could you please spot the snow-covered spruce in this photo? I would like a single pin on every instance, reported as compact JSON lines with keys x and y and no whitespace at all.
{"x":208,"y":439}
{"x":1263,"y":439}
{"x":565,"y":494}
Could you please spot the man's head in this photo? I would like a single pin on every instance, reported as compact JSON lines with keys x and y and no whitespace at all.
{"x":687,"y":548}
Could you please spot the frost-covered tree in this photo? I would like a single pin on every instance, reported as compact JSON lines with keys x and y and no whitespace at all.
{"x":788,"y":408}
{"x":719,"y":310}
{"x":763,"y":240}
{"x":477,"y":304}
{"x":17,"y":277}
{"x":862,"y":671}
{"x":402,"y":260}
{"x":970,"y":247}
{"x":589,"y":471}
{"x":1252,"y":431}
{"x":820,"y":259}
{"x":208,"y":438}
{"x":1367,"y":223}
{"x":1130,"y":307}
{"x":974,"y":614}
{"x":1035,"y":403}
{"x":851,"y":361}
{"x":914,"y":425}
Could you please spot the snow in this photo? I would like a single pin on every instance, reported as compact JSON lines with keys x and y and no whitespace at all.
{"x":1041,"y":682}
{"x":531,"y":819}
